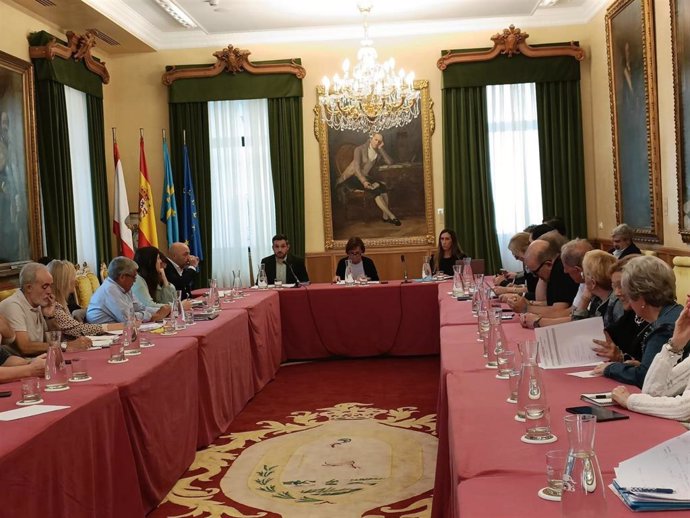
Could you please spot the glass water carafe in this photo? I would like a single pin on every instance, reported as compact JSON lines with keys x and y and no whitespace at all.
{"x":349,"y":278}
{"x":236,"y":284}
{"x":467,"y":275}
{"x":584,"y":493}
{"x":180,"y":319}
{"x":531,"y":387}
{"x":458,"y":284}
{"x":262,"y":279}
{"x":495,"y":341}
{"x":427,"y":275}
{"x":56,"y":369}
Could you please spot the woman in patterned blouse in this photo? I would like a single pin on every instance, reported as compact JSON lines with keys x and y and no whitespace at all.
{"x":64,"y":280}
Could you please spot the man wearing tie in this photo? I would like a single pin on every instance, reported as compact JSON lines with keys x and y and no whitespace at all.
{"x":287,"y":268}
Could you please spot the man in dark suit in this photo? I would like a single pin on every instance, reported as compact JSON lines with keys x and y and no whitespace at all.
{"x":288,"y":268}
{"x":622,"y":242}
{"x":181,"y":269}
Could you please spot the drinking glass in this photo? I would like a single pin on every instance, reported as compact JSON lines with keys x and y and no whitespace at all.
{"x":189,"y":318}
{"x":80,"y":371}
{"x":362,"y":280}
{"x":278,"y":284}
{"x":555,"y":465}
{"x":31,"y":391}
{"x":537,"y":424}
{"x":483,"y":326}
{"x":168,"y":327}
{"x":117,"y":351}
{"x":506,"y":363}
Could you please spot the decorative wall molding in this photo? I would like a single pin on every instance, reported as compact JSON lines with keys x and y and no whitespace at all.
{"x":510,"y":42}
{"x":78,"y":48}
{"x":232,"y":60}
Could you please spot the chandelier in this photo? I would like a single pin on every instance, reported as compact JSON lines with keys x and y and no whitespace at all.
{"x":370,"y":97}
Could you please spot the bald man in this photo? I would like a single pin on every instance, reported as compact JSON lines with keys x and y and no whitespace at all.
{"x":181,"y":269}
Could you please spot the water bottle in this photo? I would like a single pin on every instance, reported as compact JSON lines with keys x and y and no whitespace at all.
{"x":584,"y":492}
{"x":531,"y":388}
{"x":56,"y":369}
{"x":458,"y":284}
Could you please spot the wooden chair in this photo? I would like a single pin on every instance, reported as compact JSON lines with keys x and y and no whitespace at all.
{"x":681,"y":269}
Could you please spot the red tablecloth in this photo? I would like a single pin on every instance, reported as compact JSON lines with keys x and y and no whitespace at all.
{"x":159,"y":394}
{"x":323,"y":320}
{"x":73,"y":463}
{"x":225,"y":370}
{"x":263,"y":310}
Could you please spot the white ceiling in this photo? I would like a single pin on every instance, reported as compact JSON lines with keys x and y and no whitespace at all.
{"x":244,"y":22}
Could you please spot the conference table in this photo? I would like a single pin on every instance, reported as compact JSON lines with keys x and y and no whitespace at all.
{"x":159,"y":395}
{"x":483,"y":469}
{"x":76,"y":462}
{"x":333,"y":320}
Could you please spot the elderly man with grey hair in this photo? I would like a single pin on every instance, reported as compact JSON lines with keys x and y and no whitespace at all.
{"x":24,"y":309}
{"x":622,"y":242}
{"x":113,"y":300}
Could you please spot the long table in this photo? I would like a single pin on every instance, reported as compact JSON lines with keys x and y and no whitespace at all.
{"x":325,"y":320}
{"x":73,"y":463}
{"x":159,"y":394}
{"x":479,"y":441}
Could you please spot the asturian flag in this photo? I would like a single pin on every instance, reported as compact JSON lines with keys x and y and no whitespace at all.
{"x":168,"y":204}
{"x":191,"y":233}
{"x":147,"y":217}
{"x":121,"y":209}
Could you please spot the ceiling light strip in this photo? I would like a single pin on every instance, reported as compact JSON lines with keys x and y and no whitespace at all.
{"x":177,"y":13}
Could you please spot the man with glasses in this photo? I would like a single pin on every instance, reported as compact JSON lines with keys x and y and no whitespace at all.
{"x":25,"y":309}
{"x":543,"y":259}
{"x":361,"y":266}
{"x":113,"y":300}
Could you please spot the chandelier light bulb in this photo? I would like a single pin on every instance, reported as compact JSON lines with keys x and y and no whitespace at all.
{"x":326,"y":83}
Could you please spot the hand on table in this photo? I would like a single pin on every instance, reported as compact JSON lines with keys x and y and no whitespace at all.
{"x":517,"y":303}
{"x":37,"y":365}
{"x":162,"y":312}
{"x":607,"y":349}
{"x":79,"y":344}
{"x":599,"y":369}
{"x":527,"y":320}
{"x":620,"y":395}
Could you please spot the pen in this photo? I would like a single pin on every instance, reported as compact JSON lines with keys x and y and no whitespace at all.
{"x":661,"y":490}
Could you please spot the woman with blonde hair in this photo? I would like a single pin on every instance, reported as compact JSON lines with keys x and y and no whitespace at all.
{"x":595,"y":271}
{"x":650,"y":287}
{"x":64,"y":281}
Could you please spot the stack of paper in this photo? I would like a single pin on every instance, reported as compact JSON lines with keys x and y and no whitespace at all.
{"x":569,"y":344}
{"x":657,"y":479}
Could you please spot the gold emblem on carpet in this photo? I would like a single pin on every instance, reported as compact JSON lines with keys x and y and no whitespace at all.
{"x":350,"y":460}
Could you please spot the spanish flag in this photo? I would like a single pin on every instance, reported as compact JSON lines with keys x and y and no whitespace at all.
{"x":147,"y":215}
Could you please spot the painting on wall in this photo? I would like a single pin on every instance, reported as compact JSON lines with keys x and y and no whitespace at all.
{"x":680,"y":48}
{"x":378,"y":187}
{"x":634,"y":117}
{"x":20,"y":221}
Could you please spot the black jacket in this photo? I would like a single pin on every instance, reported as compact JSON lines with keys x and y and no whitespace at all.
{"x":295,"y":266}
{"x":369,"y":268}
{"x":184,"y":282}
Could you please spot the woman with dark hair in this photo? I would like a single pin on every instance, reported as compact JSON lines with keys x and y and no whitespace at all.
{"x":361,"y":265}
{"x":449,"y":252}
{"x":151,"y":286}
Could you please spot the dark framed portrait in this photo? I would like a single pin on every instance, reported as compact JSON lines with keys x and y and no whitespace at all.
{"x":634,"y":117}
{"x":20,"y":227}
{"x":378,"y":186}
{"x":680,"y":48}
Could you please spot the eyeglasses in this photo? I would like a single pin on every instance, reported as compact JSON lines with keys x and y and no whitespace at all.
{"x":130,"y":275}
{"x":535,"y":272}
{"x":352,"y":252}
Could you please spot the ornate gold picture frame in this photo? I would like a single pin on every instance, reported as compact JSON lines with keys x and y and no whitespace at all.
{"x":402,"y":182}
{"x":680,"y":49}
{"x":20,"y":212}
{"x":634,"y":117}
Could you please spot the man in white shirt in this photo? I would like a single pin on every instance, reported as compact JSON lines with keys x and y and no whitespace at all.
{"x":113,"y":300}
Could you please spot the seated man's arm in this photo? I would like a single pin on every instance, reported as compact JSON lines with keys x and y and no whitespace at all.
{"x":26,"y":347}
{"x":7,"y":335}
{"x":16,"y":368}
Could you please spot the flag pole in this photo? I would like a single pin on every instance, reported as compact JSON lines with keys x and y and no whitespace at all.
{"x":184,"y":137}
{"x":163,"y":135}
{"x":141,"y":132}
{"x":114,"y":135}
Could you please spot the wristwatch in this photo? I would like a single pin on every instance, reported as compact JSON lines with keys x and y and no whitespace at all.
{"x":535,"y":324}
{"x":669,"y":347}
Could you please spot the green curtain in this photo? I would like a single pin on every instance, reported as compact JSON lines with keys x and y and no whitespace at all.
{"x":55,"y":171}
{"x":287,"y":166}
{"x":193,"y":117}
{"x":468,"y":198}
{"x":561,"y":154}
{"x":99,"y":179}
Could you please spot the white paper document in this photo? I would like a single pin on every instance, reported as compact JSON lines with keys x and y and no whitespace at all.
{"x":28,"y":411}
{"x":664,"y":466}
{"x":150,"y":326}
{"x":569,"y":344}
{"x":584,"y":374}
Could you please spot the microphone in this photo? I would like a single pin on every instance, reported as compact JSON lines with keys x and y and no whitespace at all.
{"x":402,"y":260}
{"x":297,"y":283}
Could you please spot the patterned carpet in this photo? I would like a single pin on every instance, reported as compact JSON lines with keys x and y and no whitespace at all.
{"x":349,"y":438}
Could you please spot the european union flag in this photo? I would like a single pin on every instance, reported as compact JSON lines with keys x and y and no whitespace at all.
{"x":169,"y":205}
{"x":191,"y":233}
